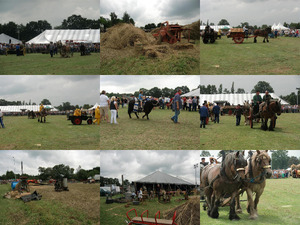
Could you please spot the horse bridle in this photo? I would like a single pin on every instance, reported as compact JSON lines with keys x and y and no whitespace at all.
{"x":261,"y":175}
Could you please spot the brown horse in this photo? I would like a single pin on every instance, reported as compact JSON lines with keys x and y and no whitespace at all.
{"x":41,"y":115}
{"x":225,"y":179}
{"x":269,"y":112}
{"x":262,"y":33}
{"x":257,"y":171}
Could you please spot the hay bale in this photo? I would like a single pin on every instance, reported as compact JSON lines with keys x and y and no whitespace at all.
{"x":123,"y":35}
{"x":188,"y":213}
{"x":182,"y":46}
{"x":195,"y":30}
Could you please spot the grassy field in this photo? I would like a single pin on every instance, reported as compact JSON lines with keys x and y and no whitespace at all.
{"x":80,"y":205}
{"x":279,"y":56}
{"x":277,"y":205}
{"x":57,"y":133}
{"x":227,"y":136}
{"x":41,"y":64}
{"x":159,"y":132}
{"x":123,"y":62}
{"x":116,"y":213}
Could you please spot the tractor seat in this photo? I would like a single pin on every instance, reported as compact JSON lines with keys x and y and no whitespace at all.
{"x":152,"y":220}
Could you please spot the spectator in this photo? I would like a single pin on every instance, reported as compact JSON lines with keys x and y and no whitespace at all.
{"x":104,"y":101}
{"x":177,"y":105}
{"x":1,"y":119}
{"x":216,"y":111}
{"x":113,"y":110}
{"x":203,"y":115}
{"x":238,"y":112}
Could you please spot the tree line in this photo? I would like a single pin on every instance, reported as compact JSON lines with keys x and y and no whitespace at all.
{"x":291,"y":25}
{"x":113,"y":20}
{"x":65,"y":106}
{"x":261,"y":86}
{"x":46,"y":173}
{"x":155,"y":92}
{"x":34,"y":28}
{"x":280,"y":159}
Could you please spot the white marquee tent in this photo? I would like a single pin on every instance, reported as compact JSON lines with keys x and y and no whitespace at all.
{"x":87,"y":36}
{"x":234,"y":99}
{"x":279,"y":26}
{"x":94,"y":107}
{"x":5,"y":39}
{"x":19,"y":108}
{"x":216,"y":28}
{"x":192,"y":93}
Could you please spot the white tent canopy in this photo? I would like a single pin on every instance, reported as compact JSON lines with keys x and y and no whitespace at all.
{"x":5,"y":39}
{"x":216,"y":28}
{"x":192,"y":93}
{"x":235,"y":99}
{"x":95,"y":106}
{"x":279,"y":26}
{"x":77,"y":36}
{"x":19,"y":108}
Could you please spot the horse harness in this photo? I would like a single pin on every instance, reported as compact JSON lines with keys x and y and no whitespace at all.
{"x":262,"y":175}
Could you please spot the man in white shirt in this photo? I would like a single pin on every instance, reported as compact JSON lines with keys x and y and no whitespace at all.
{"x":104,"y":103}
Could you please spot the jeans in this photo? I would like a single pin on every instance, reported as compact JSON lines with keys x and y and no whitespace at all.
{"x":203,"y":121}
{"x":217,"y":118}
{"x":238,"y":120}
{"x":194,"y":107}
{"x":175,"y":117}
{"x":1,"y":122}
{"x":113,"y":117}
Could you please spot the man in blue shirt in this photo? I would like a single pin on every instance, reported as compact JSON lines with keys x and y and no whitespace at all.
{"x":216,"y":111}
{"x":203,"y":115}
{"x":177,"y":105}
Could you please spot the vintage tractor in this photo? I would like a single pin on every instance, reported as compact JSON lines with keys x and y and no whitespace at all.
{"x":209,"y":35}
{"x":61,"y":184}
{"x":22,"y":186}
{"x":170,"y":33}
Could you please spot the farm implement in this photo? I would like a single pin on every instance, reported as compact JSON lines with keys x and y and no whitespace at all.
{"x":150,"y":221}
{"x":170,"y":33}
{"x":77,"y":120}
{"x":238,"y":35}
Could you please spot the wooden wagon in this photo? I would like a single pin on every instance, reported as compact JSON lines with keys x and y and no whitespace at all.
{"x":238,"y":35}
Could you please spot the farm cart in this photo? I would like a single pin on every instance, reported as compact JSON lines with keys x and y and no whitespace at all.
{"x":170,"y":33}
{"x":77,"y":120}
{"x":150,"y":221}
{"x":238,"y":35}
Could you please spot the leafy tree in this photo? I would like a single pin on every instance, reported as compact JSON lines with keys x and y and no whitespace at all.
{"x":245,"y":24}
{"x":45,"y":102}
{"x":232,"y":88}
{"x":223,"y":22}
{"x":10,"y":175}
{"x":264,"y":26}
{"x":240,"y":91}
{"x":62,"y":170}
{"x":45,"y":173}
{"x":82,"y":175}
{"x":205,"y":153}
{"x":291,"y":98}
{"x":126,"y":17}
{"x":293,"y":160}
{"x":280,"y":159}
{"x":220,"y":89}
{"x":113,"y":18}
{"x":262,"y":86}
{"x":226,"y":91}
{"x":155,"y":92}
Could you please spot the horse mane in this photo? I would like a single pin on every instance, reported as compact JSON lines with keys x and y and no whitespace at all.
{"x":253,"y":159}
{"x":228,"y":160}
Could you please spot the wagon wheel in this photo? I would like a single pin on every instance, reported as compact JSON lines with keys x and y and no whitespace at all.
{"x":77,"y":121}
{"x":89,"y":121}
{"x":238,"y":38}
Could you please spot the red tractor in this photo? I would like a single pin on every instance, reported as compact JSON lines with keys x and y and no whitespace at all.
{"x":170,"y":33}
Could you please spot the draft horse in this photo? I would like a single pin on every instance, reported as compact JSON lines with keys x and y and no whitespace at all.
{"x":269,"y":112}
{"x":41,"y":115}
{"x":262,"y":33}
{"x":221,"y":180}
{"x":257,"y":170}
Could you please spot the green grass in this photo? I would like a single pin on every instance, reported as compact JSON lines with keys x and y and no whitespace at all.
{"x":116,"y":213}
{"x":278,"y":204}
{"x":183,"y":62}
{"x":279,"y":56}
{"x":56,"y":133}
{"x":43,"y":64}
{"x":159,"y":132}
{"x":46,"y":211}
{"x":228,"y":136}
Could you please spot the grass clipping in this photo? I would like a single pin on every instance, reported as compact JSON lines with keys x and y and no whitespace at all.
{"x":188,"y":213}
{"x":122,"y":35}
{"x":195,"y":30}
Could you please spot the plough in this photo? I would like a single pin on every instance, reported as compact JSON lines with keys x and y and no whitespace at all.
{"x":149,"y":221}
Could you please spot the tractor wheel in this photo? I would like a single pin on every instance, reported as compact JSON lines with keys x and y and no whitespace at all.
{"x":89,"y":121}
{"x":77,"y":121}
{"x":205,"y":40}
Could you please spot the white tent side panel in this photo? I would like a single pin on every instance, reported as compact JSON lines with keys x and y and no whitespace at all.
{"x":234,"y":99}
{"x":4,"y":38}
{"x":87,"y":35}
{"x":19,"y":108}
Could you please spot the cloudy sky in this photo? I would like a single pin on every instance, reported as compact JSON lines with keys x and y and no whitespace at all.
{"x":135,"y":165}
{"x":54,"y":11}
{"x":57,"y":89}
{"x":130,"y":84}
{"x":282,"y":85}
{"x":255,"y":12}
{"x":32,"y":160}
{"x":153,"y":11}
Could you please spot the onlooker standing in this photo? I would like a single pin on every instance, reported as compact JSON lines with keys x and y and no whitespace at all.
{"x":216,"y":111}
{"x":113,"y":110}
{"x":177,"y":105}
{"x":190,"y":102}
{"x":203,"y":115}
{"x":51,"y":48}
{"x":104,"y":101}
{"x":97,"y":115}
{"x":1,"y":119}
{"x":238,"y":112}
{"x":194,"y":104}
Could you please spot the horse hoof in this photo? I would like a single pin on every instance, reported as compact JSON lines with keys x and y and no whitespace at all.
{"x":234,"y":217}
{"x":253,"y":217}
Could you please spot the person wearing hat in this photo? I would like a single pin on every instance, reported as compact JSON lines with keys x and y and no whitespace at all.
{"x":256,"y":101}
{"x":97,"y":115}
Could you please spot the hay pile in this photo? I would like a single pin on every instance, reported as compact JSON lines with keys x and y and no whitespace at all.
{"x":188,"y":213}
{"x":195,"y":30}
{"x":122,"y":35}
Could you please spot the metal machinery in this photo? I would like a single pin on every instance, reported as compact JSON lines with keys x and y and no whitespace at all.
{"x":61,"y":184}
{"x":170,"y":33}
{"x":209,"y":35}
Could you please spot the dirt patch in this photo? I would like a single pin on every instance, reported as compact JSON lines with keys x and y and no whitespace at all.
{"x":82,"y":197}
{"x":188,"y":213}
{"x":123,"y":35}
